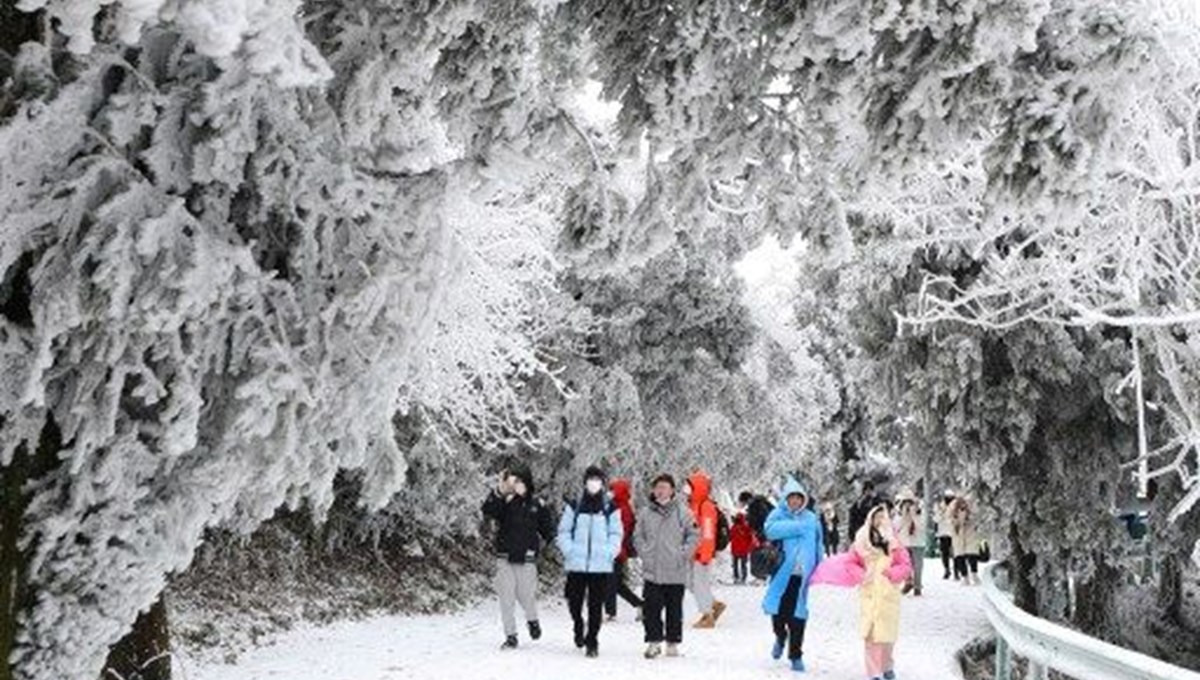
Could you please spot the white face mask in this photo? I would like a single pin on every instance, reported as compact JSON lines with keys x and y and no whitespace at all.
{"x":593,"y":486}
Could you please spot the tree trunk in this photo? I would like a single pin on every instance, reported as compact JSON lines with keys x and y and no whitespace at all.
{"x":1094,"y":601}
{"x":1170,"y":589}
{"x":144,"y":653}
{"x":1021,"y":570}
{"x":15,"y":593}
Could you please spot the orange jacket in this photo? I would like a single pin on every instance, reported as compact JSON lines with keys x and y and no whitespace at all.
{"x":705,"y":512}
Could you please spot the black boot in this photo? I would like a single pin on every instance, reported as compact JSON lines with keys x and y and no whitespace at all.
{"x":579,"y":640}
{"x":510,"y":642}
{"x":535,"y":630}
{"x":593,"y":651}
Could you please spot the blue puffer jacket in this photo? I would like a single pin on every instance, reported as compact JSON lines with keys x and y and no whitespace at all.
{"x":591,"y":544}
{"x":802,"y":539}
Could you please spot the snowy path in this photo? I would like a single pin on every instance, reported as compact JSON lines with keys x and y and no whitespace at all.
{"x":465,"y":646}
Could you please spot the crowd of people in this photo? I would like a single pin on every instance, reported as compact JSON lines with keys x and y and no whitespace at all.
{"x":790,"y":544}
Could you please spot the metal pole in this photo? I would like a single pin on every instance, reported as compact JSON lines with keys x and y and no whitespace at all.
{"x":1003,"y":659}
{"x":1143,"y":473}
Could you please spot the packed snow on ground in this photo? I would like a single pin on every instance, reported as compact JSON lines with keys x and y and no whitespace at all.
{"x":466,"y":645}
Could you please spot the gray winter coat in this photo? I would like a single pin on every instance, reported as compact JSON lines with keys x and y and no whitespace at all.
{"x":665,"y":538}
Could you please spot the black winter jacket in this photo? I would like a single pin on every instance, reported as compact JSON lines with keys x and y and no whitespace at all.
{"x":524,"y":523}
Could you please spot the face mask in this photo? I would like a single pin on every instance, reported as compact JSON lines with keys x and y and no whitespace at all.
{"x":687,"y":489}
{"x":519,"y":488}
{"x":593,"y":486}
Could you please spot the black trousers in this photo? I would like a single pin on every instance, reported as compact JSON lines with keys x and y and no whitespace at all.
{"x":659,"y":599}
{"x":964,"y":562}
{"x":832,"y":539}
{"x":945,"y":550}
{"x":740,"y":569}
{"x":618,"y":585}
{"x":788,"y":628}
{"x":592,"y":588}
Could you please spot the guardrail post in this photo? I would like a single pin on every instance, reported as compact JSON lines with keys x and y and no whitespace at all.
{"x":1003,"y":659}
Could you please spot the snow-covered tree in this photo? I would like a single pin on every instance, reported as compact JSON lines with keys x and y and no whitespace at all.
{"x":221,"y":288}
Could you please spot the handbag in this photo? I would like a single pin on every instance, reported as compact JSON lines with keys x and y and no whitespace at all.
{"x":766,"y":559}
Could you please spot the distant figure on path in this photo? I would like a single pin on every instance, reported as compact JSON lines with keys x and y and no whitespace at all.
{"x":757,"y":508}
{"x":910,"y":531}
{"x":524,"y":524}
{"x":945,"y":534}
{"x":867,"y":501}
{"x":798,"y":531}
{"x":742,"y":542}
{"x":589,"y":536}
{"x":965,"y":537}
{"x":618,"y":583}
{"x":666,"y":538}
{"x":829,"y":525}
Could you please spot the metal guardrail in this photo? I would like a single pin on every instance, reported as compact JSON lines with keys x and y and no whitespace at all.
{"x":1050,"y":646}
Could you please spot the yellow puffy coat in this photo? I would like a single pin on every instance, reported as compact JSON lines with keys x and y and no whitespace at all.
{"x":879,"y":612}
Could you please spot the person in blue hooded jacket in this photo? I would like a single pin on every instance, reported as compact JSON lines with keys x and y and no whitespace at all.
{"x":796,"y":529}
{"x":590,"y":534}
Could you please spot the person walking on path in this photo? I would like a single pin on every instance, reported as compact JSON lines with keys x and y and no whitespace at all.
{"x":618,"y":583}
{"x":945,"y":534}
{"x":757,"y":509}
{"x":965,"y":539}
{"x":910,"y":531}
{"x":867,"y":500}
{"x":665,"y":538}
{"x":589,"y":536}
{"x":704,"y":510}
{"x":797,"y":531}
{"x":742,"y":542}
{"x":877,"y":564}
{"x":524,"y":525}
{"x":829,"y":527}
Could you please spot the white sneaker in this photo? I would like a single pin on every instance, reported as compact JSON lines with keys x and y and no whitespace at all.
{"x":638,"y":617}
{"x":653,"y":650}
{"x":672,"y":649}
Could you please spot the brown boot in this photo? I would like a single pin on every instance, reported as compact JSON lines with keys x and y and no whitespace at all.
{"x":706,"y":621}
{"x":718,"y":609}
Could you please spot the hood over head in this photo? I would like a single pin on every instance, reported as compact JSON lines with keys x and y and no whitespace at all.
{"x":701,"y":486}
{"x":793,"y":486}
{"x":620,"y":490}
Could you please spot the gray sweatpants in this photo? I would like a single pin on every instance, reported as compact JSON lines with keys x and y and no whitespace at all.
{"x":700,"y":583}
{"x":917,"y":555}
{"x":516,"y":583}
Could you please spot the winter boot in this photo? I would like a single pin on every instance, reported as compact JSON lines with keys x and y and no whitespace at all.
{"x":908,"y":586}
{"x":672,"y":649}
{"x":706,"y":621}
{"x":889,"y":675}
{"x":798,"y":665}
{"x":593,"y":651}
{"x":535,"y":630}
{"x":653,"y":650}
{"x":916,"y":592}
{"x":510,"y":642}
{"x":718,"y":609}
{"x":579,"y":640}
{"x":777,"y":650}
